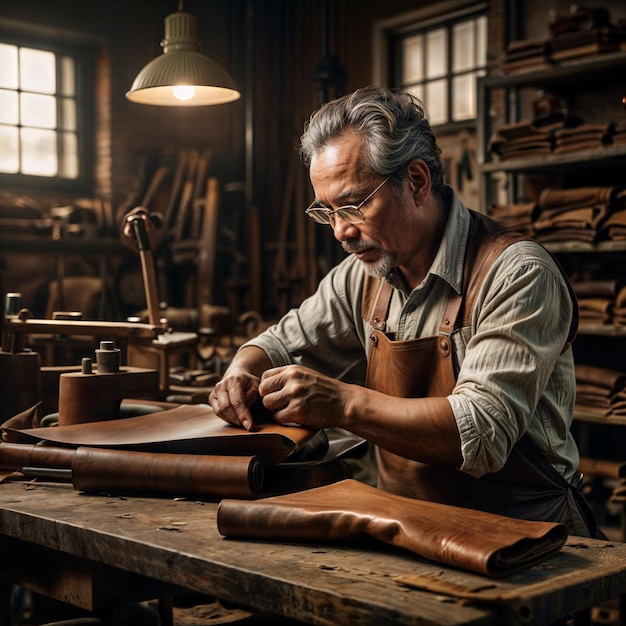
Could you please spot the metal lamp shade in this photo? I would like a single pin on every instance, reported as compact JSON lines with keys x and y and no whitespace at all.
{"x":182,"y":65}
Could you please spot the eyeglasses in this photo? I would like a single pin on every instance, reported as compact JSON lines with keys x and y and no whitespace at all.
{"x":351,"y":213}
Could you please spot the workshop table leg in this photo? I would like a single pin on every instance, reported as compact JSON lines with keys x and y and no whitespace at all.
{"x":6,"y":590}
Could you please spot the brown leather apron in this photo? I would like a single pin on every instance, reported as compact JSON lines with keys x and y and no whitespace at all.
{"x":528,"y":486}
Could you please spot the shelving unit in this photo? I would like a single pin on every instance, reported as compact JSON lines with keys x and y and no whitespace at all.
{"x":586,"y":75}
{"x":592,"y":87}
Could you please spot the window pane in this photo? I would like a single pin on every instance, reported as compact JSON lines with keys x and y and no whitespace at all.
{"x":68,"y":112}
{"x":437,"y":101}
{"x":463,"y":47}
{"x":9,"y":154}
{"x":69,"y":160}
{"x":417,"y":91}
{"x":413,"y":59}
{"x":39,"y":152}
{"x":8,"y":66}
{"x":436,"y":53}
{"x":481,"y":41}
{"x":37,"y":70}
{"x":68,"y":81}
{"x":8,"y":107}
{"x":464,"y":97}
{"x":38,"y":110}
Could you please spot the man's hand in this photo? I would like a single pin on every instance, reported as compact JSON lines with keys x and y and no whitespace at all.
{"x":233,"y":396}
{"x":299,"y":395}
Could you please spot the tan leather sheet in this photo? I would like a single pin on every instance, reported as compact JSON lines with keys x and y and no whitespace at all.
{"x":190,"y":428}
{"x":349,"y":511}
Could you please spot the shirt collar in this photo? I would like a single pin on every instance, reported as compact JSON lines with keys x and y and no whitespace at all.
{"x":448,"y":262}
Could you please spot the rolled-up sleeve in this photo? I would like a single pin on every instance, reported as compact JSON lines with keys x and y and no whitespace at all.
{"x":513,"y":365}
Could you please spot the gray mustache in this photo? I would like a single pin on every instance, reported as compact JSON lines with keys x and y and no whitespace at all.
{"x":357,"y":246}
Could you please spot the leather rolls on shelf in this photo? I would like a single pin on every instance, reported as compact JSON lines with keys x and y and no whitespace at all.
{"x":349,"y":511}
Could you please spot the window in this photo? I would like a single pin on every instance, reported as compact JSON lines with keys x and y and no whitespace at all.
{"x":42,"y":114}
{"x":440,"y":62}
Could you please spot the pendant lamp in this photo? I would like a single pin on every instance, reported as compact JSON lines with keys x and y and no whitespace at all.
{"x":182,"y":76}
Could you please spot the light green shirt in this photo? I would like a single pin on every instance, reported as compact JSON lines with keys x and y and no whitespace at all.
{"x":512,"y":374}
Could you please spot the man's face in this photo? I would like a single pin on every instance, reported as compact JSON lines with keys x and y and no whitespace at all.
{"x":389,"y":236}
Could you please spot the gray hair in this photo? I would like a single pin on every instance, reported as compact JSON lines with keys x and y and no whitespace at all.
{"x":393,"y":126}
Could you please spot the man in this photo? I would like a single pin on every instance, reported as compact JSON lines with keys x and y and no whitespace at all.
{"x":459,"y":330}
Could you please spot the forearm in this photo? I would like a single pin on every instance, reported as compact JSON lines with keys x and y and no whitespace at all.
{"x":422,"y":429}
{"x":249,"y":359}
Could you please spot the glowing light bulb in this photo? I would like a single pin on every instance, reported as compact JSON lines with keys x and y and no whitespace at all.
{"x":183,"y":92}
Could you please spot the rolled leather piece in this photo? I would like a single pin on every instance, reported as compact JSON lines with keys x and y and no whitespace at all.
{"x":577,"y":197}
{"x":609,"y":379}
{"x":349,"y":511}
{"x":126,"y":471}
{"x":15,"y":456}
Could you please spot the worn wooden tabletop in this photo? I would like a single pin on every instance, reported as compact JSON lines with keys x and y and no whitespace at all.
{"x":177,"y":542}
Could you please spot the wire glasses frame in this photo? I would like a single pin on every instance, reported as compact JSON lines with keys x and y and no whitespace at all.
{"x":351,"y":213}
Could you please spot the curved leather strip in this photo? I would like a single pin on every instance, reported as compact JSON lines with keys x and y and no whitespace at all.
{"x":349,"y":510}
{"x":380,"y":308}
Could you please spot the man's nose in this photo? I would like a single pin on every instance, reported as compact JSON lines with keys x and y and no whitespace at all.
{"x":343,"y":230}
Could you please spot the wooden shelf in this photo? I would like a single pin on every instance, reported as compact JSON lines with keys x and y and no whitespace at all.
{"x":557,"y":161}
{"x":604,"y":330}
{"x":572,"y":71}
{"x":594,"y":418}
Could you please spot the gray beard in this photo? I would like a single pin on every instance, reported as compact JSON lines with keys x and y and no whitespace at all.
{"x":382,"y":268}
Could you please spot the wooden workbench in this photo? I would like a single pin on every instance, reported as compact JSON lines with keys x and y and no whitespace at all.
{"x":100,"y":552}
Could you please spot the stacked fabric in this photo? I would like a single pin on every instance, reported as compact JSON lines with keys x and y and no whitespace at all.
{"x":584,"y":31}
{"x":575,"y":214}
{"x":519,"y":140}
{"x":619,"y":311}
{"x":584,"y":42}
{"x":518,"y":216}
{"x":597,"y":299}
{"x":581,"y":137}
{"x":526,"y":54}
{"x":613,"y":228}
{"x":600,"y":391}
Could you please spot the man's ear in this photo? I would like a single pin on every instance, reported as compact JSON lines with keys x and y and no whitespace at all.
{"x":419,"y":177}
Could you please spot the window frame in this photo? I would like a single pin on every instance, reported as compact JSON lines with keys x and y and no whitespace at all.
{"x":389,"y":33}
{"x":84,"y":55}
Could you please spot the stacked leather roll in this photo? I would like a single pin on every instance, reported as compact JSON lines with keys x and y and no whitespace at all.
{"x":576,"y":214}
{"x":581,"y":137}
{"x":600,"y":391}
{"x":597,"y":299}
{"x":520,"y":140}
{"x":518,"y":216}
